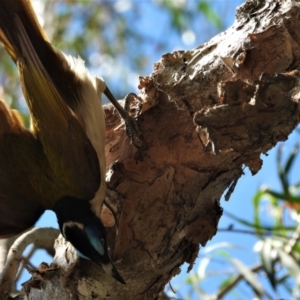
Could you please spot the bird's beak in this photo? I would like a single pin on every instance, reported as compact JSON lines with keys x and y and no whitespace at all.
{"x":112,"y":271}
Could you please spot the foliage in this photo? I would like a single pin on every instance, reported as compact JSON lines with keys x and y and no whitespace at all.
{"x":277,"y":247}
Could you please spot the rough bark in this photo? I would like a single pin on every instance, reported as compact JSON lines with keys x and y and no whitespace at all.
{"x":206,"y":113}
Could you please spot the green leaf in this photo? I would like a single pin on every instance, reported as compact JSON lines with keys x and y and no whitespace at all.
{"x":281,"y":173}
{"x":253,"y":225}
{"x":256,"y":204}
{"x":189,"y":280}
{"x":206,"y":9}
{"x":268,"y":262}
{"x":296,"y":249}
{"x":240,"y":220}
{"x":291,"y":265}
{"x":291,"y":159}
{"x":286,"y":197}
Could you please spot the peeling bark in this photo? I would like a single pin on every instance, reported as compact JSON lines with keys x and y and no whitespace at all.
{"x":205,"y":114}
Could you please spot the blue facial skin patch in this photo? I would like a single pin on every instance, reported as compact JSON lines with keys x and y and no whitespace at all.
{"x":95,"y":236}
{"x":91,"y":236}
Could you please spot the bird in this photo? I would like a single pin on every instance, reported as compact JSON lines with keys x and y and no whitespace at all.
{"x":59,"y":163}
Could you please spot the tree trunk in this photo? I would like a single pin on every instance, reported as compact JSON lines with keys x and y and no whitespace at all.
{"x":204,"y":114}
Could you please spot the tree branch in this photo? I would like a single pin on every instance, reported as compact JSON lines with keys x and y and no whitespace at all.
{"x":14,"y":256}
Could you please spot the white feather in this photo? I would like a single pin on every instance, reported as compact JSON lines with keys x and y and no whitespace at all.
{"x":90,"y":113}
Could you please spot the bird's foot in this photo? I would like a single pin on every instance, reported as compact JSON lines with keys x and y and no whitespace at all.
{"x":132,"y":129}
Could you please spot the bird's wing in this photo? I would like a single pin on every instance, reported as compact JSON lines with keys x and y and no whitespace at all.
{"x":72,"y":156}
{"x":20,"y":157}
{"x":44,"y":72}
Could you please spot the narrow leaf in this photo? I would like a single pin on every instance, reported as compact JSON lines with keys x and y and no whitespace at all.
{"x":291,"y":265}
{"x":268,"y":262}
{"x":291,"y":159}
{"x":249,"y":276}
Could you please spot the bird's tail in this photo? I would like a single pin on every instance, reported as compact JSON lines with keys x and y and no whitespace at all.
{"x":9,"y":32}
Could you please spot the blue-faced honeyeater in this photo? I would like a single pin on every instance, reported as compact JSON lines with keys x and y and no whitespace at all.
{"x":58,"y":164}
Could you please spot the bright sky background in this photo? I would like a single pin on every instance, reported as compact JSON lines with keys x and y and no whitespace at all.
{"x":240,"y":203}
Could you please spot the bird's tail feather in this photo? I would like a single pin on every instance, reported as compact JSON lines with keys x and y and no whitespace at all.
{"x":9,"y":34}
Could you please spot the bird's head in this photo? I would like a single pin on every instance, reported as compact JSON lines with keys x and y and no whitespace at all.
{"x":84,"y":230}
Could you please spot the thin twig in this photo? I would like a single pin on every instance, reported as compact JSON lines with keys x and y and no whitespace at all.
{"x":242,"y":231}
